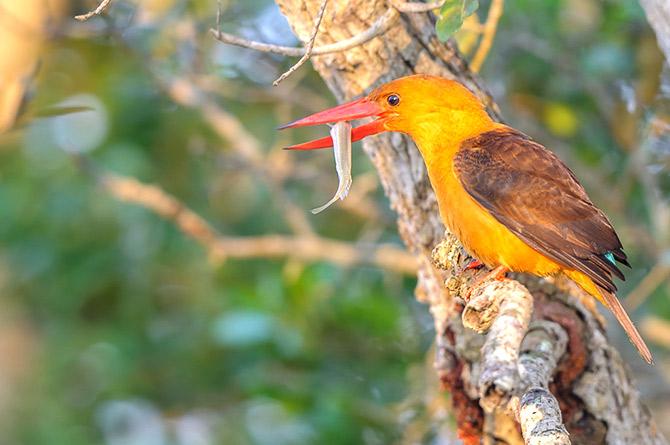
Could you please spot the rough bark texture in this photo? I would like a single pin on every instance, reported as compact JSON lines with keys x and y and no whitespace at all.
{"x":538,"y":411}
{"x":596,"y":395}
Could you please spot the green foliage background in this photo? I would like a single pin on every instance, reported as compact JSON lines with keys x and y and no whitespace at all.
{"x":124,"y":331}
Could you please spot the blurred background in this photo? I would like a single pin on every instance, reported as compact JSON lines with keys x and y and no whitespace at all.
{"x":154,"y":285}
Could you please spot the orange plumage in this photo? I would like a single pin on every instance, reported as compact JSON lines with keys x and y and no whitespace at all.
{"x":511,"y":202}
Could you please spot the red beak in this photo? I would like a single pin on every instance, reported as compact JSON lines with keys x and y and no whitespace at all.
{"x":357,"y":109}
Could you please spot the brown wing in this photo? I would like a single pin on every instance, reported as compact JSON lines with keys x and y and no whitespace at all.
{"x":530,"y":191}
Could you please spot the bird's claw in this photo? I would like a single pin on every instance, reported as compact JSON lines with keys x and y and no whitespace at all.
{"x":497,"y":274}
{"x":474,"y":264}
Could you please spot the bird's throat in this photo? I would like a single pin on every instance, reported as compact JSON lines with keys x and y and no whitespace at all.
{"x":440,"y":138}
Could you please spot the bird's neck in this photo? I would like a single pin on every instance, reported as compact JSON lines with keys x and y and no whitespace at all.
{"x":439,"y":143}
{"x":440,"y":138}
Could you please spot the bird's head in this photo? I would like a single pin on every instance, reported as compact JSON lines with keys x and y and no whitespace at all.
{"x":422,"y":106}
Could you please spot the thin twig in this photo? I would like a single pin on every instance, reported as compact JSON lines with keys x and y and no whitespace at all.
{"x":229,"y":128}
{"x":104,"y":4}
{"x":308,"y":48}
{"x":186,"y":92}
{"x":416,"y":7}
{"x":490,"y":27}
{"x":379,"y":27}
{"x":310,"y":248}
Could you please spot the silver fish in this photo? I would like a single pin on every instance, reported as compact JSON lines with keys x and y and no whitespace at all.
{"x":341,"y":134}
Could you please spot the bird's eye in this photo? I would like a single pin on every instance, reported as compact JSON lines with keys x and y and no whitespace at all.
{"x":393,"y":99}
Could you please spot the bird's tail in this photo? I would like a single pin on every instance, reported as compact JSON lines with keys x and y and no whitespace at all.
{"x":612,"y":302}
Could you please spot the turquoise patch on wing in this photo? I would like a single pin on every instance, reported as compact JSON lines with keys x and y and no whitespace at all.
{"x":609,"y":257}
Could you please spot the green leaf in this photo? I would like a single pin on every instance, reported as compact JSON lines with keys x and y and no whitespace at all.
{"x":451,"y":16}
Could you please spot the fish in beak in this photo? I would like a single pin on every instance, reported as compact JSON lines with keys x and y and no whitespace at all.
{"x":356,"y":109}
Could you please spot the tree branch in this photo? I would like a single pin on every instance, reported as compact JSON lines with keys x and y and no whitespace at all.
{"x":499,"y":375}
{"x":378,"y":28}
{"x":489,"y":31}
{"x":229,"y":128}
{"x":220,"y":247}
{"x":308,"y":48}
{"x":537,"y":409}
{"x":658,"y":15}
{"x":508,"y":374}
{"x":416,"y":7}
{"x":104,"y":4}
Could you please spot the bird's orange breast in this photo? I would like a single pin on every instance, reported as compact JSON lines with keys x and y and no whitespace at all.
{"x":480,"y":233}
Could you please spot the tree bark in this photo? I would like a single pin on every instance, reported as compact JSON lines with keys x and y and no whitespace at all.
{"x":658,"y":15}
{"x":489,"y":391}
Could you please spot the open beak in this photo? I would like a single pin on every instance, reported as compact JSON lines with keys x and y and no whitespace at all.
{"x":357,"y":109}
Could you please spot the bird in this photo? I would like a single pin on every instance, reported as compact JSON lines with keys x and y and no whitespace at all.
{"x":510,"y":201}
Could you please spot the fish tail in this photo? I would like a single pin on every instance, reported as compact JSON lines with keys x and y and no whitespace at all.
{"x":610,"y":300}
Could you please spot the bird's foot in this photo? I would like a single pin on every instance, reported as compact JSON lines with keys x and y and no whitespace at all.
{"x":497,"y":274}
